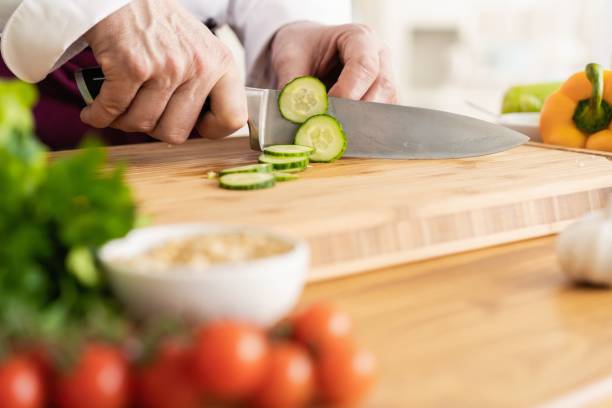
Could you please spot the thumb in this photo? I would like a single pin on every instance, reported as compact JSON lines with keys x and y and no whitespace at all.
{"x":290,"y":69}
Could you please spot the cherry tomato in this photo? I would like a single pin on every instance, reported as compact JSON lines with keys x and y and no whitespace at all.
{"x":345,"y":372}
{"x":230,"y":360}
{"x":100,"y":379}
{"x":21,"y":383}
{"x":321,"y":322}
{"x":289,"y":381}
{"x":43,"y":362}
{"x":166,"y":382}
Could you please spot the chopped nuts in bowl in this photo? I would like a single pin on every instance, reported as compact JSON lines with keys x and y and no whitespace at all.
{"x":206,"y":250}
{"x":207,"y":272}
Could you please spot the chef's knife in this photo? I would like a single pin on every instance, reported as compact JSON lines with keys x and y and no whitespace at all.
{"x":373,"y":129}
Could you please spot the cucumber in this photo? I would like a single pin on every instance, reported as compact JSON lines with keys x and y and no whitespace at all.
{"x":325,"y":134}
{"x":284,"y":163}
{"x":247,"y":181}
{"x":296,"y":170}
{"x":289,"y":151}
{"x":284,"y":176}
{"x":251,"y":168}
{"x":303,"y":98}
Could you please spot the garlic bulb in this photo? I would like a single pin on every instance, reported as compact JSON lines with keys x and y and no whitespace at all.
{"x":585,"y":249}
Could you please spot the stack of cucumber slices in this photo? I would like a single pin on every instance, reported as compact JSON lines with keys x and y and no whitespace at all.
{"x":320,"y":138}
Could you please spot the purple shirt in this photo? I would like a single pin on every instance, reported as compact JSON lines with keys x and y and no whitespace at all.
{"x":57,"y":113}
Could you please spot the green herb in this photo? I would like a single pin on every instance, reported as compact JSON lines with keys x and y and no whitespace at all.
{"x":53,"y":217}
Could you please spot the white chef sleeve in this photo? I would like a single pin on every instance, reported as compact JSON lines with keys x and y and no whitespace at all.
{"x":40,"y":35}
{"x":7,"y":8}
{"x":256,"y":22}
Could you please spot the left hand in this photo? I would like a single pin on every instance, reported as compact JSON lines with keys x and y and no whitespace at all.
{"x":349,"y":58}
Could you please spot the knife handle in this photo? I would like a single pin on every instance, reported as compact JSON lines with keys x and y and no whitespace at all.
{"x":89,"y":82}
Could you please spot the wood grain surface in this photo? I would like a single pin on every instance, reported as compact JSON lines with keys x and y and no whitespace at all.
{"x":362,"y":214}
{"x":498,"y":327}
{"x":493,"y":328}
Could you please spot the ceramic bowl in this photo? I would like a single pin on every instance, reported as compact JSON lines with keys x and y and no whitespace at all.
{"x":260,"y":291}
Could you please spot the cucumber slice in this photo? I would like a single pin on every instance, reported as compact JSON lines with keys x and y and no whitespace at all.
{"x":288,"y":151}
{"x":325,"y":134}
{"x":284,"y":163}
{"x":247,"y":181}
{"x":251,"y":168}
{"x":296,"y":170}
{"x":284,"y":176}
{"x":303,"y":98}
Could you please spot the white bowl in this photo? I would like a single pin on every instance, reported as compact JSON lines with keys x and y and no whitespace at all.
{"x":260,"y":291}
{"x":527,"y":123}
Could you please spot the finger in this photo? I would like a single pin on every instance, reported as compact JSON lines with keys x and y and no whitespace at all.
{"x":146,"y":109}
{"x":289,"y":68}
{"x":228,"y":109}
{"x":359,"y":53}
{"x":384,"y":89}
{"x":113,"y":100}
{"x":181,"y":113}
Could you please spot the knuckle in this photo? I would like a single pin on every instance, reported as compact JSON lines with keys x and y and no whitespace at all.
{"x":113,"y":107}
{"x":233,"y":121}
{"x":220,"y":56}
{"x":363,"y":29}
{"x":386,"y":84}
{"x":199,"y":64}
{"x":391,"y":96}
{"x":144,"y":126}
{"x":138,"y":72}
{"x":367,"y":66}
{"x":164,"y":84}
{"x":174,"y":70}
{"x":175,"y":137}
{"x":137,"y":69}
{"x":387,"y":89}
{"x":105,"y":61}
{"x":225,"y":56}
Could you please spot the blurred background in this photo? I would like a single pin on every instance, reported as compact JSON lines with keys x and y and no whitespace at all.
{"x":450,"y":51}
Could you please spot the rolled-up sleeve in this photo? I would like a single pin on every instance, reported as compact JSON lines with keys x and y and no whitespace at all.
{"x":40,"y":35}
{"x":7,"y":8}
{"x":256,"y":22}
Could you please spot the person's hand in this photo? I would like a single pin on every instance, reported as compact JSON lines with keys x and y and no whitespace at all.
{"x":349,"y":58}
{"x":160,"y":65}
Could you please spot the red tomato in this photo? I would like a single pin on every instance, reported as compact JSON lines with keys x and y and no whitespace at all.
{"x":99,"y":380}
{"x":321,"y":322}
{"x":43,"y":362}
{"x":289,"y":381}
{"x":345,"y":372}
{"x":21,"y":383}
{"x":230,"y":360}
{"x":166,"y":382}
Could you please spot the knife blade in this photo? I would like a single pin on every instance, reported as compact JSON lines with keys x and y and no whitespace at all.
{"x":374,"y":130}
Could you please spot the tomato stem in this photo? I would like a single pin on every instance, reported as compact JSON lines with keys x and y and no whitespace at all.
{"x":593,"y":114}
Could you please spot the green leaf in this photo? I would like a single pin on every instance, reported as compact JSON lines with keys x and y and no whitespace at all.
{"x":53,"y":216}
{"x":81,"y":263}
{"x":94,"y":206}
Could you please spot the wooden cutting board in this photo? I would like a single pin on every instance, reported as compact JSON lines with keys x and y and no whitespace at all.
{"x":364,"y":214}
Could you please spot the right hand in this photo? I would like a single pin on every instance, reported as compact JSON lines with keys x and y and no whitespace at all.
{"x":160,"y":64}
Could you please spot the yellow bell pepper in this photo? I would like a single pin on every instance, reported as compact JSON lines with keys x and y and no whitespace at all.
{"x":580,"y":114}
